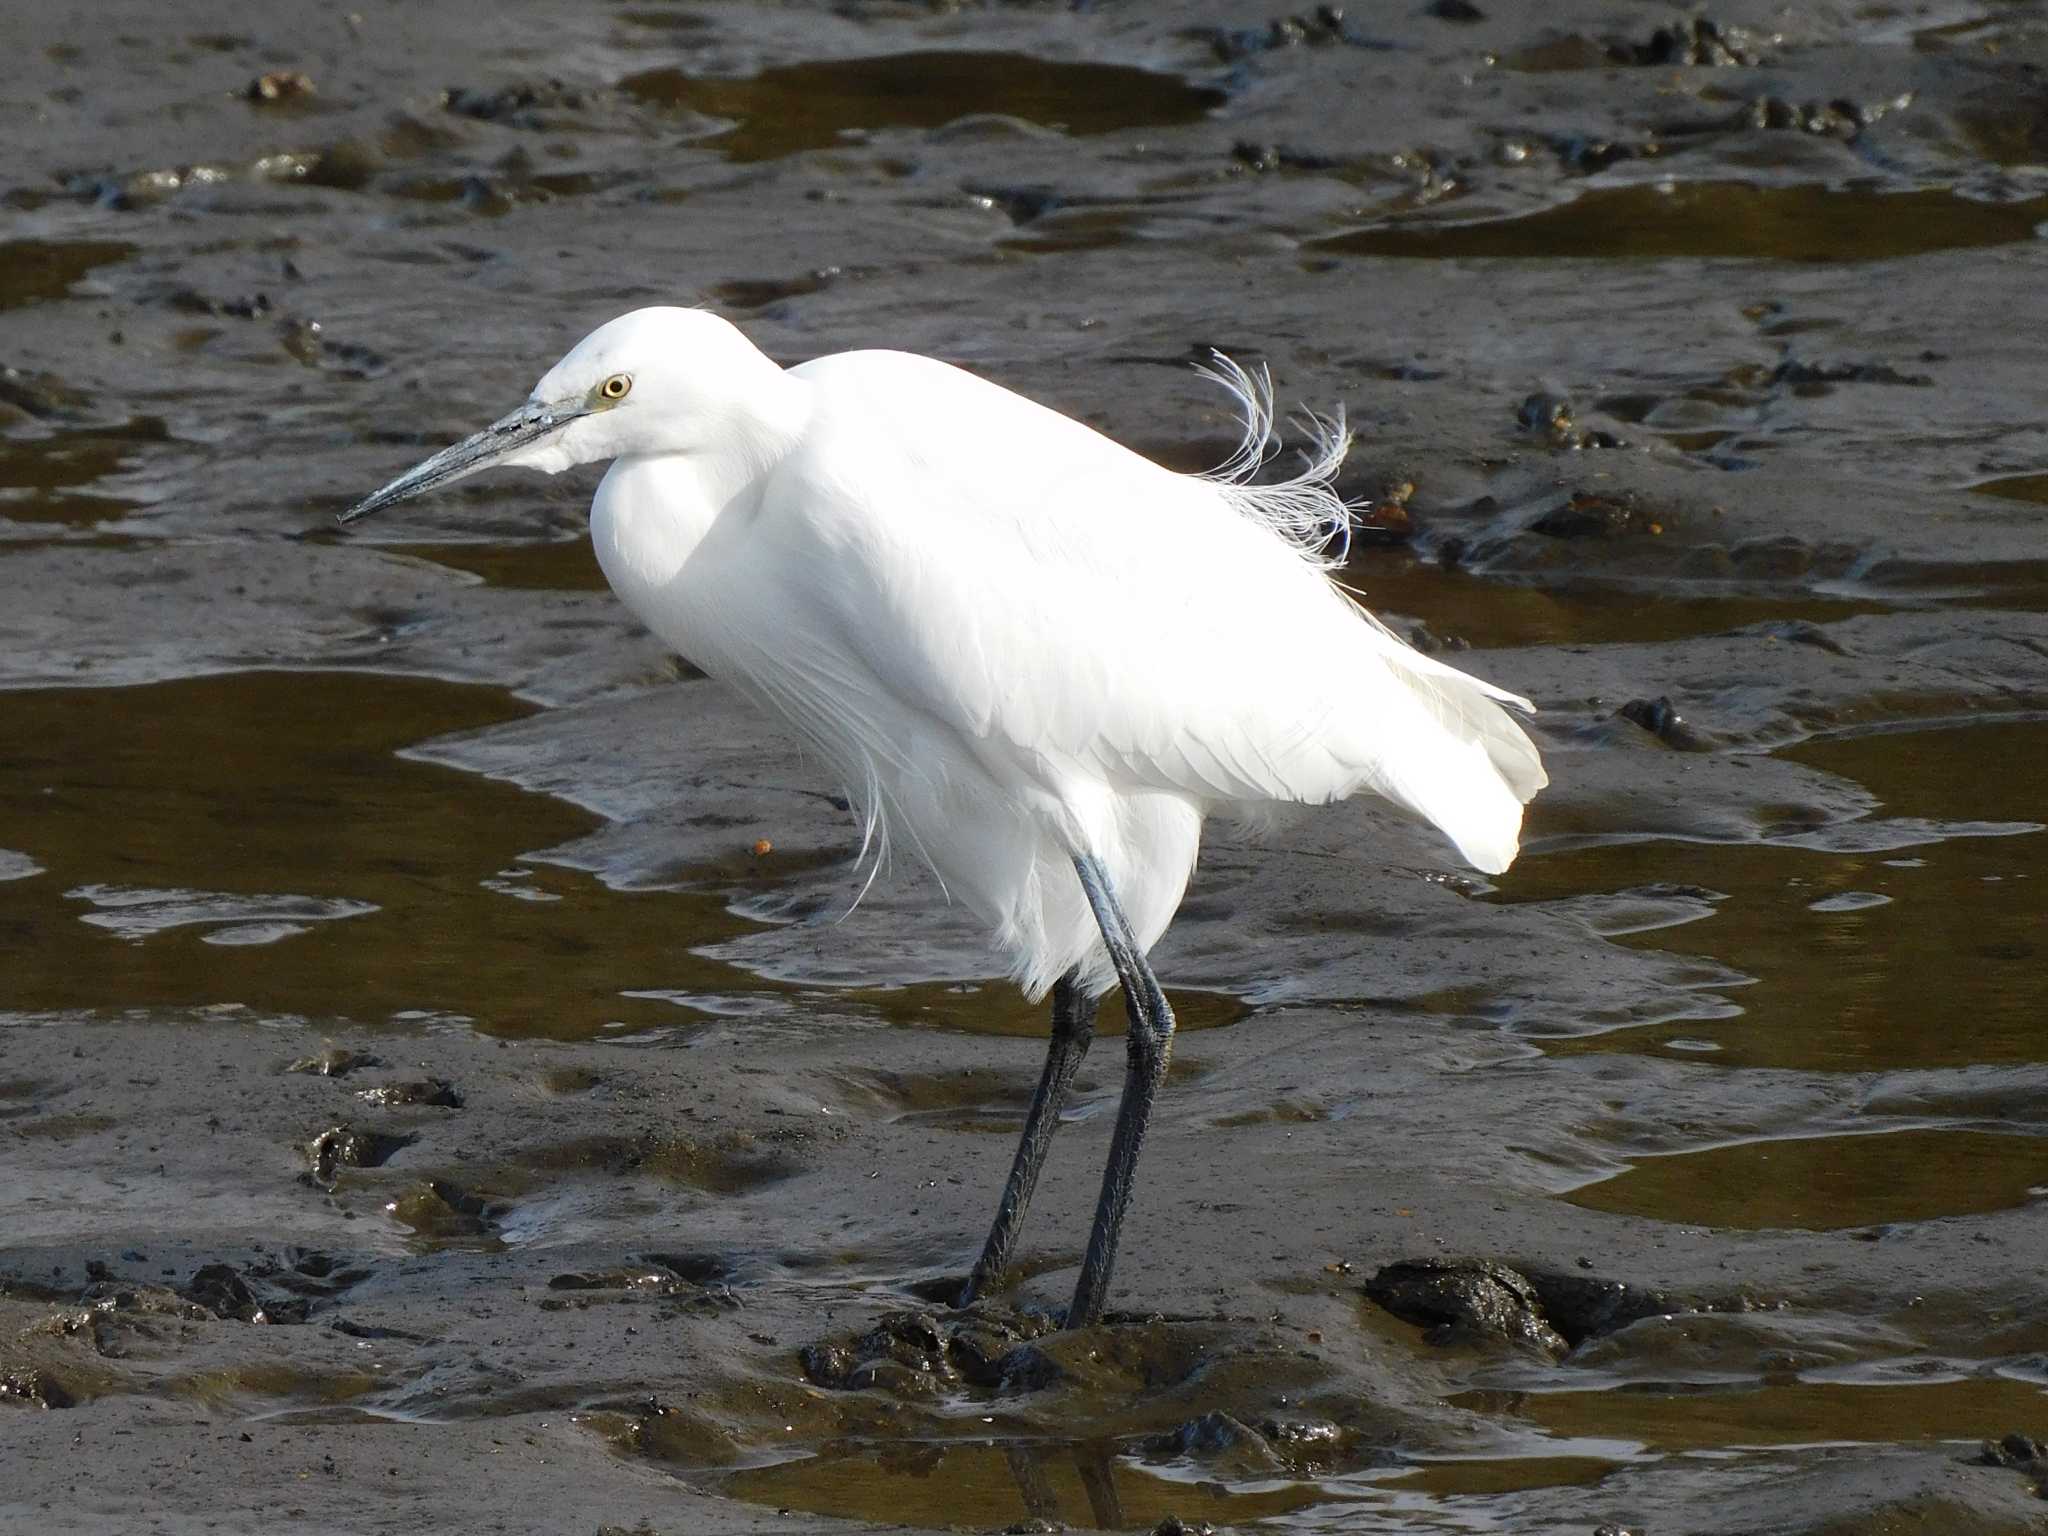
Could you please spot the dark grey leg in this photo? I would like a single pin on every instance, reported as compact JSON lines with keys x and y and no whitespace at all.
{"x":1151,"y":1042}
{"x":1027,"y":1466}
{"x":1098,"y":1481}
{"x":1073,"y":1026}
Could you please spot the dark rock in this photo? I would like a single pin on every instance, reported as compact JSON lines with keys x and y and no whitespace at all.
{"x":521,"y":104}
{"x":343,"y":1146}
{"x":1581,"y":1307}
{"x":1832,"y":119}
{"x":442,"y":1212}
{"x":435,"y":1091}
{"x":1322,"y":26}
{"x":696,"y":1268}
{"x":1585,"y":157}
{"x":577,"y":1281}
{"x":1226,"y":1442}
{"x":1229,"y":1445}
{"x":1428,"y":641}
{"x":1660,"y":717}
{"x":1544,"y":413}
{"x":350,"y":1329}
{"x":1798,"y":373}
{"x":1551,"y":416}
{"x":334,"y":1062}
{"x":2015,"y":1450}
{"x":107,"y":1296}
{"x":912,"y":1341}
{"x":828,"y":1363}
{"x":34,"y":1387}
{"x":1023,"y":205}
{"x":1460,"y":1299}
{"x":1596,"y":515}
{"x":1696,"y":41}
{"x":223,"y":1291}
{"x":42,"y":395}
{"x":1280,"y":157}
{"x":911,"y":1353}
{"x":279,"y":85}
{"x":347,"y":166}
{"x":2022,"y":1453}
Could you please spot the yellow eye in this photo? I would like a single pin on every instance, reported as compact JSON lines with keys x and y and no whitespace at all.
{"x":615,"y":387}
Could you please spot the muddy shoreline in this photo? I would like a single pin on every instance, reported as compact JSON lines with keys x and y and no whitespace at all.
{"x":422,"y":1105}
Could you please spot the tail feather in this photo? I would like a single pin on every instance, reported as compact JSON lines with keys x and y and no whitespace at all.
{"x":1461,"y":760}
{"x":1467,"y":766}
{"x":1459,"y":791}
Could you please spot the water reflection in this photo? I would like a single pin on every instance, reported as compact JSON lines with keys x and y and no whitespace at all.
{"x":789,"y":108}
{"x":1941,"y":972}
{"x":256,"y":839}
{"x":989,"y":1485}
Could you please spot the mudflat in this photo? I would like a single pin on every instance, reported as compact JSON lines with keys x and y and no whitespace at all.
{"x":442,"y":1084}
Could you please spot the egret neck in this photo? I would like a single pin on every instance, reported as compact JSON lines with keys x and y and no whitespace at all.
{"x":676,"y":477}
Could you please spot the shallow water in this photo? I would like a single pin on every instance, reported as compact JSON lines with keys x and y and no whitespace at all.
{"x":787,"y":109}
{"x":1786,"y":1413}
{"x":389,"y":924}
{"x":1858,"y":938}
{"x":1670,"y":219}
{"x":1825,"y":1183}
{"x":255,"y":840}
{"x":43,"y":269}
{"x":1089,"y":1487}
{"x":1473,"y":611}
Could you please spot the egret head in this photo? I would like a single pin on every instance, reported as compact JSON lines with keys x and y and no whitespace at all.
{"x":653,"y":381}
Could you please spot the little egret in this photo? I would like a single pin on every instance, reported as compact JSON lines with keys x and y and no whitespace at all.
{"x":1033,"y":656}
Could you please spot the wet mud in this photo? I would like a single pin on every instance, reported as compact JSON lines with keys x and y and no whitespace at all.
{"x":444,"y":1080}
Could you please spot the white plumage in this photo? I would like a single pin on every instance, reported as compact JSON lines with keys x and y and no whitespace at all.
{"x":1035,"y":659}
{"x":1016,"y":640}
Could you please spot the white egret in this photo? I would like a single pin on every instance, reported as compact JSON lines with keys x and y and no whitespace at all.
{"x":1034,"y":657}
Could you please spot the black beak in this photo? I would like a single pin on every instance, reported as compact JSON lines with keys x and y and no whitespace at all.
{"x":496,"y":443}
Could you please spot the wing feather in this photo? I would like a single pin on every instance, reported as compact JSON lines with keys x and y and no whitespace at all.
{"x":1082,"y":615}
